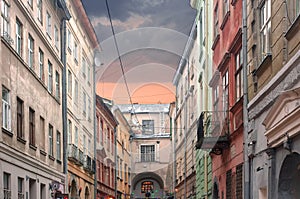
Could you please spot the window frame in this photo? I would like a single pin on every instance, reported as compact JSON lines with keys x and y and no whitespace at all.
{"x":31,"y":125}
{"x":5,"y":9}
{"x":57,"y":85}
{"x":50,"y":140}
{"x":265,"y":28}
{"x":41,"y":64}
{"x":19,"y":36}
{"x":147,"y":153}
{"x":6,"y":109}
{"x":40,"y":11}
{"x":30,"y":51}
{"x":20,"y":118}
{"x":48,"y":24}
{"x":58,"y":145}
{"x":50,"y":77}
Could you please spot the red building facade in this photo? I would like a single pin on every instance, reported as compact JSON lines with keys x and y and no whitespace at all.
{"x":105,"y":144}
{"x":226,"y":118}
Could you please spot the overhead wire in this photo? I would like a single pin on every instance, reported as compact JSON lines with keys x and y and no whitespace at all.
{"x":120,"y":60}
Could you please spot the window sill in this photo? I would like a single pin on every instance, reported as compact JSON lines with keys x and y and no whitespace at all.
{"x":293,"y":29}
{"x":51,"y":157}
{"x":267,"y":59}
{"x":217,"y":38}
{"x":7,"y":132}
{"x":32,"y":147}
{"x":42,"y":152}
{"x":226,"y":17}
{"x":20,"y":139}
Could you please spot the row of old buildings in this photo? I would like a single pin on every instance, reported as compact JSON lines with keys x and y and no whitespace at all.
{"x":53,"y":141}
{"x":236,"y":116}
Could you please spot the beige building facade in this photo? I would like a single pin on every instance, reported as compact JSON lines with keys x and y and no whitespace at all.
{"x":151,"y":148}
{"x":81,"y":43}
{"x":123,"y":164}
{"x":31,"y":137}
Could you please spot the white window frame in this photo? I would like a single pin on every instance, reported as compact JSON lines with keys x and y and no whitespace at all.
{"x":225,"y":82}
{"x":19,"y":33}
{"x":41,"y":64}
{"x":58,"y":145}
{"x":50,"y":139}
{"x":265,"y":28}
{"x":76,"y":91}
{"x":50,"y":77}
{"x":6,"y":109}
{"x":84,"y":102}
{"x":30,"y":51}
{"x":148,"y":155}
{"x":6,"y":185}
{"x":48,"y":24}
{"x":76,"y":136}
{"x":40,"y":10}
{"x":69,"y":131}
{"x":70,"y":82}
{"x":20,"y":188}
{"x":83,"y":67}
{"x":5,"y":20}
{"x":239,"y":75}
{"x":57,"y":85}
{"x":76,"y":52}
{"x":56,"y":37}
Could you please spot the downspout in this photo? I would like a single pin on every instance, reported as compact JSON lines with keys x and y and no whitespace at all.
{"x":246,"y":180}
{"x":115,"y":178}
{"x":206,"y":96}
{"x":174,"y":161}
{"x":64,"y":101}
{"x":95,"y":130}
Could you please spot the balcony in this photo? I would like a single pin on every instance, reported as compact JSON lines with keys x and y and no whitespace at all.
{"x":213,"y":131}
{"x":73,"y":153}
{"x":87,"y":165}
{"x":80,"y":157}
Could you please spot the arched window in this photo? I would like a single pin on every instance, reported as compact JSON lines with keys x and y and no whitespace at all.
{"x":147,"y":186}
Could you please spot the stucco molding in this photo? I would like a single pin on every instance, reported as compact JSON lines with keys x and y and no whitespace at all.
{"x":285,"y":79}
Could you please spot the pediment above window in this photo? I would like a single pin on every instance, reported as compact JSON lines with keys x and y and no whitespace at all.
{"x":283,"y":120}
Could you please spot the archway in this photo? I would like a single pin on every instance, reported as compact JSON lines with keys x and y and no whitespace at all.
{"x":215,"y":191}
{"x":86,"y":193}
{"x":147,"y":185}
{"x":289,"y":177}
{"x":73,"y":190}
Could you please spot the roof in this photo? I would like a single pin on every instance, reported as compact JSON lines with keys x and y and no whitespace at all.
{"x":144,"y":108}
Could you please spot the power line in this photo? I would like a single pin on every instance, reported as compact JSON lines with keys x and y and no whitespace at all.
{"x":120,"y":60}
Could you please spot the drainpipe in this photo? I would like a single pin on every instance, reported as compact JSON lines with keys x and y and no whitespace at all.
{"x":174,"y":151}
{"x":206,"y":95}
{"x":95,"y":130}
{"x":245,"y":103}
{"x":64,"y":101}
{"x":115,"y":156}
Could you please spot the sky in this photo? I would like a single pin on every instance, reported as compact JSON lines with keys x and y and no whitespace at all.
{"x":151,"y":36}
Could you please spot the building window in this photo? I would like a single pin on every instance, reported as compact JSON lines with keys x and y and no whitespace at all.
{"x":225,"y":91}
{"x":265,"y":28}
{"x":83,"y":68}
{"x":19,"y":33}
{"x":89,"y":146}
{"x":41,"y":65}
{"x":5,"y":31}
{"x":84,"y":103}
{"x":50,"y":140}
{"x":239,"y":75}
{"x":48,"y":24}
{"x":57,"y":85}
{"x":42,"y":133}
{"x":40,"y":10}
{"x":125,"y":173}
{"x":147,"y":153}
{"x":89,"y":75}
{"x":31,"y":127}
{"x":20,"y":188}
{"x":89,"y":110}
{"x":216,"y":22}
{"x":148,"y":126}
{"x":76,"y":92}
{"x":76,"y":136}
{"x":56,"y":37}
{"x":20,"y":118}
{"x":69,"y":132}
{"x":69,"y":37}
{"x":228,"y":184}
{"x":50,"y":77}
{"x":69,"y":82}
{"x":6,"y":111}
{"x":58,"y":146}
{"x":216,"y":98}
{"x":294,"y":9}
{"x":147,"y":187}
{"x":30,"y":51}
{"x":6,"y":186}
{"x":225,"y":7}
{"x":75,"y":52}
{"x":30,"y":3}
{"x":239,"y":181}
{"x":84,"y":145}
{"x":42,"y":190}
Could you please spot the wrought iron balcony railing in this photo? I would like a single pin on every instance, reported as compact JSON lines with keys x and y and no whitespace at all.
{"x":72,"y":153}
{"x":213,"y":131}
{"x":87,"y":165}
